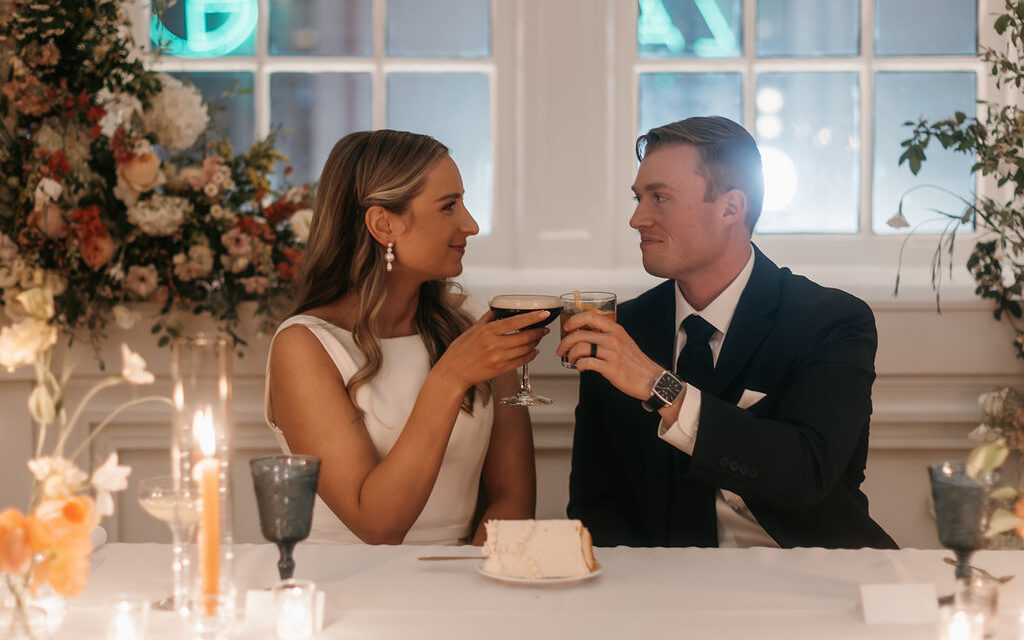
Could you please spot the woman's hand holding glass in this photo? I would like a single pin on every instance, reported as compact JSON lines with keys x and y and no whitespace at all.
{"x":491,"y":347}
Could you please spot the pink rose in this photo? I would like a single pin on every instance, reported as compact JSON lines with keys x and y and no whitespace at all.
{"x":141,"y":173}
{"x":255,"y":285}
{"x":50,"y":220}
{"x":142,"y":281}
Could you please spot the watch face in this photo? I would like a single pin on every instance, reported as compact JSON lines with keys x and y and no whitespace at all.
{"x":668,"y":387}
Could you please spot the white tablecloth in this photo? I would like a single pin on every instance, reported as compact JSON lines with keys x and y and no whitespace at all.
{"x":386,"y":593}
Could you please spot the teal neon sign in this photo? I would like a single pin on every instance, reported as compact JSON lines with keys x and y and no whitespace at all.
{"x":212,"y":28}
{"x":655,"y":27}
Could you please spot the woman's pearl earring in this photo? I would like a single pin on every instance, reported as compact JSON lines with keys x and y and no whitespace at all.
{"x":389,"y":256}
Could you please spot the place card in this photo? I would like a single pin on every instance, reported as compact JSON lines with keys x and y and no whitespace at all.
{"x":899,"y":603}
{"x":260,"y":611}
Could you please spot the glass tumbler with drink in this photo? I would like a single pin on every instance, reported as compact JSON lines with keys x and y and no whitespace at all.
{"x":601,"y":302}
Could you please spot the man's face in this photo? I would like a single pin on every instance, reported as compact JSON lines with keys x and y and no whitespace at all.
{"x":681,"y":235}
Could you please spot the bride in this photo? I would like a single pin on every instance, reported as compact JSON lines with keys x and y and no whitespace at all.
{"x":384,"y":372}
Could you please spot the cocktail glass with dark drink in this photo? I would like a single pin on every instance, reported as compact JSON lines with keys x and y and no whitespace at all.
{"x":506,"y":306}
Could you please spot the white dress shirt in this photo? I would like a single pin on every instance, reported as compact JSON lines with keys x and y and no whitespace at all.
{"x":737,"y":526}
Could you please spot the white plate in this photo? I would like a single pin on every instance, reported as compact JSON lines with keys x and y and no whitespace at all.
{"x":539,"y":581}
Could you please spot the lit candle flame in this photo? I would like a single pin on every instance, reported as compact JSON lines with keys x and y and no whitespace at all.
{"x":202,"y":429}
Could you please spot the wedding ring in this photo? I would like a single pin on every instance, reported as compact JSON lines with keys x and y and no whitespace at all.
{"x":593,"y":350}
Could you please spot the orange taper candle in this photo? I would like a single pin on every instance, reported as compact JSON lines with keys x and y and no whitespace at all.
{"x":207,"y":476}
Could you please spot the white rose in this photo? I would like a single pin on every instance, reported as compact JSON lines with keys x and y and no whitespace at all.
{"x":176,"y":115}
{"x":124,"y":317}
{"x":19,"y":343}
{"x":301,"y":221}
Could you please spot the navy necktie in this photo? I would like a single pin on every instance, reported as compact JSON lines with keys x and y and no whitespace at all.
{"x":696,"y":364}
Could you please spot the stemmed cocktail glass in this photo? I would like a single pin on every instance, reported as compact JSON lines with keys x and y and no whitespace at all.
{"x":506,"y":306}
{"x":285,"y":491}
{"x":181,"y":513}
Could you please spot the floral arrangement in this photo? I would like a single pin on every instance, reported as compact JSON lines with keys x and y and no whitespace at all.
{"x":1000,"y":433}
{"x":48,"y":546}
{"x":112,"y":191}
{"x":995,"y":140}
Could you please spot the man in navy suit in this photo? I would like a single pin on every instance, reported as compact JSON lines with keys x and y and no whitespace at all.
{"x":730,"y":404}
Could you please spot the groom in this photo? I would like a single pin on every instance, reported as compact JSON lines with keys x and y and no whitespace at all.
{"x":730,"y":405}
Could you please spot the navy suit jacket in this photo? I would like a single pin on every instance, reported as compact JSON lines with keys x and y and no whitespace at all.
{"x":796,"y":457}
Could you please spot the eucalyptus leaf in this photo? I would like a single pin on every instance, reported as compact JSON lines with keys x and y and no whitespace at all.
{"x":1001,"y":521}
{"x":1004,"y":493}
{"x":986,"y":458}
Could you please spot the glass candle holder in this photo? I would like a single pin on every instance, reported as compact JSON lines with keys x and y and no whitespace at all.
{"x":200,"y":466}
{"x":128,"y":619}
{"x":295,"y":609}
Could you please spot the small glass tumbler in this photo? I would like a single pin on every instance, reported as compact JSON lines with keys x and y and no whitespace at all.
{"x":957,"y":622}
{"x":129,"y":618}
{"x":981,"y":597}
{"x":601,"y":302}
{"x":295,"y":609}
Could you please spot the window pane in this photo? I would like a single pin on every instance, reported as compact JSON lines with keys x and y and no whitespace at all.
{"x":229,"y":95}
{"x":424,"y":103}
{"x":668,"y":97}
{"x":689,"y":28}
{"x":926,"y":27}
{"x":808,"y":28}
{"x":314,"y":110}
{"x":807,"y":129}
{"x":440,"y":28}
{"x":203,"y":29}
{"x":321,"y":27}
{"x":902,"y":96}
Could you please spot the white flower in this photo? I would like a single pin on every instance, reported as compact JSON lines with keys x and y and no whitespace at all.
{"x":119,"y":108}
{"x":124,"y":317}
{"x":201,"y":257}
{"x":109,"y":477}
{"x":176,"y":115}
{"x":980,"y":433}
{"x":160,"y":215}
{"x":133,"y":367}
{"x":992,"y":402}
{"x":301,"y":221}
{"x":898,"y":221}
{"x":48,"y":190}
{"x":20,"y":342}
{"x":141,"y":280}
{"x":59,"y":477}
{"x":38,"y":302}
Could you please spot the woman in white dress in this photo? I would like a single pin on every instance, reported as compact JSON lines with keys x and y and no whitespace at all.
{"x":384,"y":371}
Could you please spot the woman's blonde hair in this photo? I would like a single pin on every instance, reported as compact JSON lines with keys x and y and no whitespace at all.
{"x":388,"y":169}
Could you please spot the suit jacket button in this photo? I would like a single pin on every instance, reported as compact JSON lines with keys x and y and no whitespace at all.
{"x":753,"y":474}
{"x":733,"y":466}
{"x":744,"y":469}
{"x":723,"y":461}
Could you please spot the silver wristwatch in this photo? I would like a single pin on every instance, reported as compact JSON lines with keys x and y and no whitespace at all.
{"x":664,"y":392}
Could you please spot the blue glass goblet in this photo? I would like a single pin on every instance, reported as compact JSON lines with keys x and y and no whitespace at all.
{"x":961,"y":511}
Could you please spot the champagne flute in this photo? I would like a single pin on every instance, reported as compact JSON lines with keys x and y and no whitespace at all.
{"x":157,"y":497}
{"x":506,"y":306}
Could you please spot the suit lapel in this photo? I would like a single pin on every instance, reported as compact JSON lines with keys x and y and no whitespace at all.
{"x":656,"y":331}
{"x":753,"y":319}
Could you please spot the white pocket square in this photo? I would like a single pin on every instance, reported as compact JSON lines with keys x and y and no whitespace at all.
{"x":749,"y":398}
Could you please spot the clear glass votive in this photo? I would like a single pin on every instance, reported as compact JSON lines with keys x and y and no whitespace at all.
{"x":295,"y":609}
{"x":960,"y":622}
{"x":982,"y":596}
{"x":128,"y":618}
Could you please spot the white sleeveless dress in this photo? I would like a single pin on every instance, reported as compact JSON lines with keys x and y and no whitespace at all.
{"x":387,"y":401}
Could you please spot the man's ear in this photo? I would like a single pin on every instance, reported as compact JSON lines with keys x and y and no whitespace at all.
{"x":735,"y":211}
{"x":381,"y":224}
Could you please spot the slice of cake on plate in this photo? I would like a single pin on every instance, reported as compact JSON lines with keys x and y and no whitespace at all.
{"x":538,"y":549}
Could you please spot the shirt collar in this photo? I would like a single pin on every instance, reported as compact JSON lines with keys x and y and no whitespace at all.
{"x":719,"y":313}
